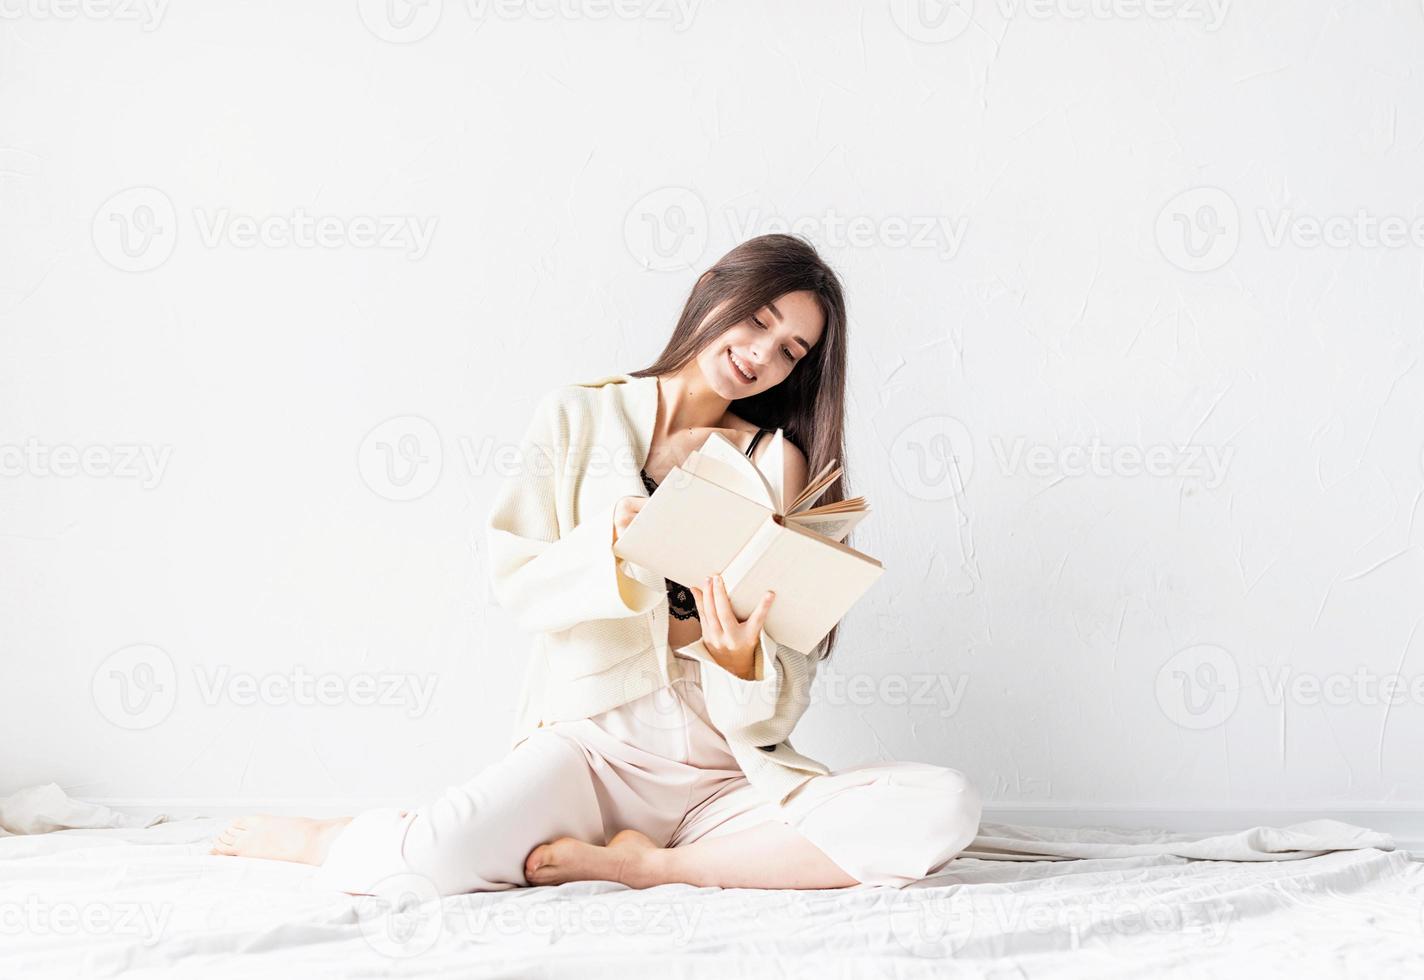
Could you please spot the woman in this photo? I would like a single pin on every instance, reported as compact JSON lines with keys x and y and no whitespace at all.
{"x":653,"y":742}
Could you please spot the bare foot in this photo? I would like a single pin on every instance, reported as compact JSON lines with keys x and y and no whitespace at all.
{"x":629,"y":858}
{"x":299,"y":839}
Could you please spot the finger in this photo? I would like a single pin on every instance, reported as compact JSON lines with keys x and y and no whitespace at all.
{"x":758,"y":617}
{"x":723,"y":602}
{"x":699,"y":599}
{"x":628,"y":509}
{"x":713,"y":626}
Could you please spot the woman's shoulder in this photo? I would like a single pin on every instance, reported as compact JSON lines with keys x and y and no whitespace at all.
{"x":582,"y":393}
{"x":735,"y":425}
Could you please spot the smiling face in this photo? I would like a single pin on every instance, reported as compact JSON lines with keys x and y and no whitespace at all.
{"x":758,"y":353}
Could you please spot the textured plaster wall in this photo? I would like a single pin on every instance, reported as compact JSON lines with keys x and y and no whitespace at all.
{"x":1136,"y":389}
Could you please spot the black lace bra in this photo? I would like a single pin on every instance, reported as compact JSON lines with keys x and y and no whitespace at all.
{"x":680,"y":601}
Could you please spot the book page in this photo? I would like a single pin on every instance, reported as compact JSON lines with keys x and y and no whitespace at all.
{"x":736,"y":479}
{"x":815,"y":487}
{"x":690,"y":528}
{"x":751,"y":484}
{"x":773,"y":467}
{"x":833,"y":526}
{"x":815,"y":583}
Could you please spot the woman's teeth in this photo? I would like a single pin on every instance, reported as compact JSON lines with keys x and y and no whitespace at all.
{"x":739,"y":368}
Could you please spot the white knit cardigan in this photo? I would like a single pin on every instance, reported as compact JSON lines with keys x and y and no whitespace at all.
{"x":600,"y":623}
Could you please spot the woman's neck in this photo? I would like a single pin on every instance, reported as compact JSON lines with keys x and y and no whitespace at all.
{"x":687,"y":402}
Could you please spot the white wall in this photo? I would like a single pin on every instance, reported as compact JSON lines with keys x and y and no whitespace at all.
{"x":1021,"y":289}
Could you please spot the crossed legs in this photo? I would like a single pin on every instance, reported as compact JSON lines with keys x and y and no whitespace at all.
{"x":539,"y":817}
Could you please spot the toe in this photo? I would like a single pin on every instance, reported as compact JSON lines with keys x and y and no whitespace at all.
{"x":537,"y":859}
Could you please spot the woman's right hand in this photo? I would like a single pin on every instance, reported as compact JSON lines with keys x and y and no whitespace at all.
{"x":624,"y":511}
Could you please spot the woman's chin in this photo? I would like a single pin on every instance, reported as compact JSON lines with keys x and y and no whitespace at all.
{"x":723,"y":385}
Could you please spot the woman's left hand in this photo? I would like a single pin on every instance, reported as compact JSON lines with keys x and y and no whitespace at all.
{"x":731,"y":642}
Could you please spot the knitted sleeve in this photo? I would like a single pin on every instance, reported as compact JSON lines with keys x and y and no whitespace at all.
{"x":764,"y":709}
{"x":552,"y":577}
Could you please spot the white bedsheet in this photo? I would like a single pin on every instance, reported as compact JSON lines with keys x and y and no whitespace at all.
{"x":151,"y":902}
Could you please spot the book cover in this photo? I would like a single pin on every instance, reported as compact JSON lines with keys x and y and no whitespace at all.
{"x":721,"y":513}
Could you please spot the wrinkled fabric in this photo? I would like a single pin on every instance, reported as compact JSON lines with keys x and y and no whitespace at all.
{"x":47,"y":808}
{"x":657,"y":765}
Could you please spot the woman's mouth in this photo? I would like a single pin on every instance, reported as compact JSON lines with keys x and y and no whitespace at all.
{"x":740,"y":368}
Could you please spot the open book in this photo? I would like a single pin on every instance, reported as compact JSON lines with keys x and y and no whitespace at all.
{"x":721,"y":513}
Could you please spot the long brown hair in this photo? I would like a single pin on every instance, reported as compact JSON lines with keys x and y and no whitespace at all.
{"x":810,"y":404}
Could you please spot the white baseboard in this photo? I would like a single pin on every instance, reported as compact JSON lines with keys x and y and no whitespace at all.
{"x":1403,"y":821}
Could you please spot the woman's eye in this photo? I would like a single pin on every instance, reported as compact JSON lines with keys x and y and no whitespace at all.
{"x":785,"y":350}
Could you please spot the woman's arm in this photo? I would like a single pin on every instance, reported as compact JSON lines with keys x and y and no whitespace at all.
{"x":550,"y":577}
{"x":764,"y":707}
{"x":760,"y":691}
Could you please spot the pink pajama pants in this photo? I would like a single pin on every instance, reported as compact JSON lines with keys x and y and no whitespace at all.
{"x":659,"y":766}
